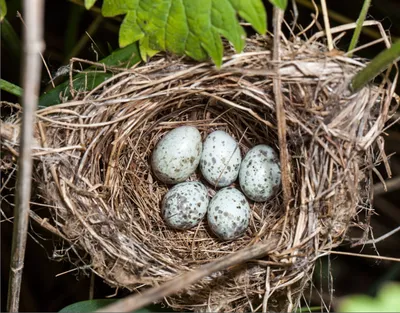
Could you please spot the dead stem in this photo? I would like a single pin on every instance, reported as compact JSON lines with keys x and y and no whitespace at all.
{"x":33,"y":46}
{"x":280,"y":110}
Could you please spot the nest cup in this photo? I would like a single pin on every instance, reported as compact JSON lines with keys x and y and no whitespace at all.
{"x":95,"y":169}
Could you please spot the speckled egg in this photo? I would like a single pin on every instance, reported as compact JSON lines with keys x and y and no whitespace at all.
{"x":260,"y":173}
{"x":177,"y":155}
{"x":185,"y":205}
{"x":220,"y":159}
{"x":228,"y":214}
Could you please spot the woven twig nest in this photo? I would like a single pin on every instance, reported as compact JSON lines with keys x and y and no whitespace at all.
{"x":94,"y":169}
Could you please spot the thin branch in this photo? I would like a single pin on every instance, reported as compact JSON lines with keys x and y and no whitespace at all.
{"x":31,"y":70}
{"x":327,"y":25}
{"x":139,"y":300}
{"x":366,"y":256}
{"x":374,"y":241}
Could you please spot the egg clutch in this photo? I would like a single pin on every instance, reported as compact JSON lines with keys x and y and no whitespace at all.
{"x":178,"y":155}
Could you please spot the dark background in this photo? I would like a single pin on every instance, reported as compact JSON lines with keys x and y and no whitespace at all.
{"x":65,"y":24}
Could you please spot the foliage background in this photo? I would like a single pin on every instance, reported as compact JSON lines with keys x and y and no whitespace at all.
{"x":65,"y":24}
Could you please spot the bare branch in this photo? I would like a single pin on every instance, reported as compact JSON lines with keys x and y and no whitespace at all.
{"x":33,"y":46}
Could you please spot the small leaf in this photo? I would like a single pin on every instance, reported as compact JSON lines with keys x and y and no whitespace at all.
{"x":3,"y":9}
{"x":281,"y":4}
{"x":89,"y":4}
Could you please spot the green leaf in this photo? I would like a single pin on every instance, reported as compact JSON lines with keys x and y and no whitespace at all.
{"x":281,"y":4}
{"x":10,"y":41}
{"x":388,"y":300}
{"x":95,"y":304}
{"x":3,"y":9}
{"x":389,"y":295}
{"x":87,"y":306}
{"x":89,"y":4}
{"x":11,"y":88}
{"x":186,"y":27}
{"x":125,"y":57}
{"x":378,"y":64}
{"x":253,"y":12}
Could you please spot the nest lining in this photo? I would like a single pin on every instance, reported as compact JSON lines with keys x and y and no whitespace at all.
{"x":107,"y":200}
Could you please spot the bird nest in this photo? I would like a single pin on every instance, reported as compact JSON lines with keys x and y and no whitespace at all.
{"x":93,"y":155}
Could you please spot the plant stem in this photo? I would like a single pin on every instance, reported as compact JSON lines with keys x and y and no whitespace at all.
{"x":11,"y":88}
{"x":360,"y":22}
{"x":310,"y":309}
{"x":378,"y":64}
{"x":33,"y":46}
{"x":327,"y":25}
{"x":280,"y":111}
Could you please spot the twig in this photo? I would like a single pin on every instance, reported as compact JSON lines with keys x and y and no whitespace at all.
{"x":33,"y":46}
{"x":390,"y":185}
{"x":280,"y":112}
{"x":374,"y":241}
{"x":327,"y":25}
{"x":367,"y":256}
{"x":360,"y":22}
{"x":91,"y":289}
{"x":137,"y":301}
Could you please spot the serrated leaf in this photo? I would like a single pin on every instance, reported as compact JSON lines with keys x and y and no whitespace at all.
{"x":281,"y":4}
{"x":130,"y":30}
{"x":89,"y":4}
{"x":253,"y":12}
{"x":191,"y":27}
{"x":3,"y":9}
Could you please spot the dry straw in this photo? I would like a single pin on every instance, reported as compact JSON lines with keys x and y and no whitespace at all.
{"x":93,"y":169}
